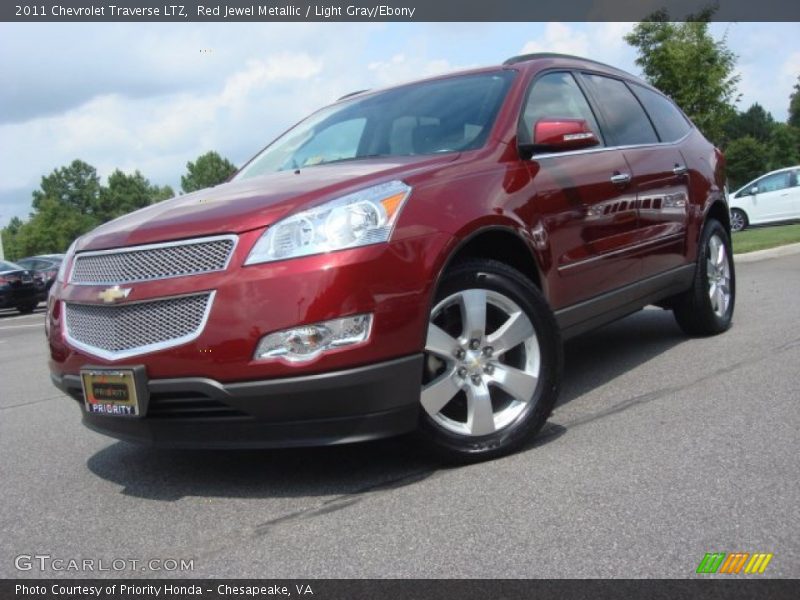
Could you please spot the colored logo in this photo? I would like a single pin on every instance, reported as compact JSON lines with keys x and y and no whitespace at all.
{"x":113,"y":294}
{"x":734,"y":563}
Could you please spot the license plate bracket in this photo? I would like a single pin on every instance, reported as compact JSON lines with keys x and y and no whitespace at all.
{"x":115,"y":391}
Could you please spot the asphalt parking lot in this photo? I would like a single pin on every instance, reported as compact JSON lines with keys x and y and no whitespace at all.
{"x":663,"y":448}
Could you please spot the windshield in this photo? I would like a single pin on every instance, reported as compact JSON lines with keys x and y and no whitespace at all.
{"x":7,"y":266}
{"x":445,"y":115}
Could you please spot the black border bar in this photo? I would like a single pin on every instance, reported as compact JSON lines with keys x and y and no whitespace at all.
{"x":388,"y":10}
{"x":733,"y":588}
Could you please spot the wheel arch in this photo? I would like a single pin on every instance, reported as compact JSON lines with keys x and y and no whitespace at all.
{"x":495,"y":242}
{"x":720,"y":211}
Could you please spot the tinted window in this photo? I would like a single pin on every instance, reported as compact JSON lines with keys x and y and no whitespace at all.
{"x":774,"y":182}
{"x":555,"y":95}
{"x":669,"y":121}
{"x":337,"y":142}
{"x":625,"y":118}
{"x":7,"y":266}
{"x":442,"y":115}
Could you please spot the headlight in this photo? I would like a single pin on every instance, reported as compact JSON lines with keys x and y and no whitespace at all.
{"x":309,"y":341}
{"x":358,"y":219}
{"x":62,"y":268}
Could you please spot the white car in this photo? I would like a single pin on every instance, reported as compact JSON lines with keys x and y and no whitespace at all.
{"x":770,"y":198}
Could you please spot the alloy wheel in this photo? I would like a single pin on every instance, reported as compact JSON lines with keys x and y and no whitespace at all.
{"x":737,"y":220}
{"x":483,"y":363}
{"x":718,"y":271}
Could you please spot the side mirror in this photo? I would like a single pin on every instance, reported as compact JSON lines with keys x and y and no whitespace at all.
{"x":557,"y":135}
{"x":754,"y":190}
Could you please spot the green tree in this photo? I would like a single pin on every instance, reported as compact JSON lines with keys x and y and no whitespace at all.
{"x":747,"y":158}
{"x":70,"y":202}
{"x":126,"y":193}
{"x":794,"y":105}
{"x":161,"y":193}
{"x":9,"y":235}
{"x":208,"y":170}
{"x":685,"y":62}
{"x":784,"y":146}
{"x":51,"y":229}
{"x":755,"y":122}
{"x":76,"y":186}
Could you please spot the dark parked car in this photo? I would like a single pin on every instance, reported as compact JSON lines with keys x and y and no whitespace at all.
{"x":46,"y":268}
{"x":18,"y":288}
{"x":404,"y":259}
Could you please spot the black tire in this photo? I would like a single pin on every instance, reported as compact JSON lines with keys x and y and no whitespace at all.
{"x":501,"y":282}
{"x":694,"y":310}
{"x":27,"y":309}
{"x":739,"y":220}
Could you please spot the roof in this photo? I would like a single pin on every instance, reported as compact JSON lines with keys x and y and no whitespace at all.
{"x":514,"y":60}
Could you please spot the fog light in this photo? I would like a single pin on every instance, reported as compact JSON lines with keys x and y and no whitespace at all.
{"x":309,"y":341}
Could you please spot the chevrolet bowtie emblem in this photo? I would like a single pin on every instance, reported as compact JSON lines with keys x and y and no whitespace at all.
{"x":113,"y":294}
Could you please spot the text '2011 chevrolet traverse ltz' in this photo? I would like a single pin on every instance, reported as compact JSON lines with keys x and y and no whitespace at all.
{"x":404,"y":259}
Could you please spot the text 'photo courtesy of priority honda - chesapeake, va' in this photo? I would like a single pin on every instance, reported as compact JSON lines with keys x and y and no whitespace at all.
{"x":362,"y":300}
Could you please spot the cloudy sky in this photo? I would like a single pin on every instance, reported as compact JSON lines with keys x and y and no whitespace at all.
{"x":153,"y":96}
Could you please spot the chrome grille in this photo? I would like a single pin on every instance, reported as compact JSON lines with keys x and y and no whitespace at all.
{"x":154,"y":261}
{"x":127,"y":329}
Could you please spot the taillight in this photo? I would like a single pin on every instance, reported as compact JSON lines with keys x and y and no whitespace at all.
{"x":4,"y":281}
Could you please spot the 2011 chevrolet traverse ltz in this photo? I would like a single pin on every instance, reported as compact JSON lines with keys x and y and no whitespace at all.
{"x":404,"y":259}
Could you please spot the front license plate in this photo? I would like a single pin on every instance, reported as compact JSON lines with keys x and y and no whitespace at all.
{"x":110,"y":392}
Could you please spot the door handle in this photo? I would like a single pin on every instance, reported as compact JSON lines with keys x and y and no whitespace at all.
{"x":620,"y":178}
{"x":680,"y":170}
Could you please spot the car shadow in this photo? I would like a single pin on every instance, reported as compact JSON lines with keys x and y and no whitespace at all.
{"x":5,"y":313}
{"x":601,"y":356}
{"x":355,"y":469}
{"x":293,"y":472}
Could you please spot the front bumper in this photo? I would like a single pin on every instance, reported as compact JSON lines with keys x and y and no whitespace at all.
{"x":352,"y":405}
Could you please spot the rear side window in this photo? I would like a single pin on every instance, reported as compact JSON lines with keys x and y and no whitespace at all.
{"x":774,"y":182}
{"x":625,"y":119}
{"x":555,"y":95}
{"x":669,"y":121}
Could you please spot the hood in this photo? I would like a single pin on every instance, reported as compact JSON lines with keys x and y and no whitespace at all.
{"x":240,"y":206}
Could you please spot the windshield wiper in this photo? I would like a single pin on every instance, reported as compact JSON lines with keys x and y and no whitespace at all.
{"x":338,"y":160}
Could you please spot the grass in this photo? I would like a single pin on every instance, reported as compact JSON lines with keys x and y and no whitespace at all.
{"x":760,"y":238}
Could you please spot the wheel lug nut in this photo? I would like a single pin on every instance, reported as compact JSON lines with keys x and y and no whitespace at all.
{"x":460,"y":354}
{"x":462,"y":372}
{"x":488,"y":351}
{"x":476,"y":379}
{"x":488,"y":369}
{"x":474,"y":344}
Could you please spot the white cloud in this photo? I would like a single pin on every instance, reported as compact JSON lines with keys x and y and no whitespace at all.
{"x":768,"y":63}
{"x":400,"y":68}
{"x":791,"y":66}
{"x":599,"y":41}
{"x":561,"y":38}
{"x":145,"y":97}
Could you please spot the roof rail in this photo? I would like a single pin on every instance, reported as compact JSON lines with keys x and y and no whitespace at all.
{"x":537,"y":55}
{"x":352,"y":94}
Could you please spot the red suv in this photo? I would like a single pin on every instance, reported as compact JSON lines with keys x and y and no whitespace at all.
{"x":404,"y":259}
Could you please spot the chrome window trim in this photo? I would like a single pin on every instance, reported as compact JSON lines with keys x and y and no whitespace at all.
{"x":128,"y":249}
{"x":610,"y":148}
{"x":147,"y":349}
{"x":628,"y":80}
